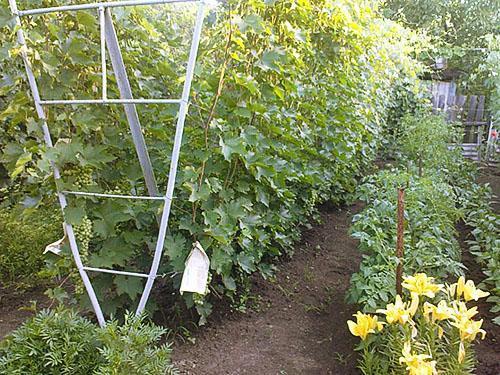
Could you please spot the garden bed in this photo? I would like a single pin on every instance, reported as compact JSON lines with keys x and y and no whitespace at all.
{"x":298,"y":326}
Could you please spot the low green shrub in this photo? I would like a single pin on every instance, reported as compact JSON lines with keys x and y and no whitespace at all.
{"x":23,"y":237}
{"x":62,"y":342}
{"x":132,"y":348}
{"x":53,"y":342}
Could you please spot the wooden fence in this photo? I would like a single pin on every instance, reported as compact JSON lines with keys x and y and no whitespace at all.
{"x":471,"y":112}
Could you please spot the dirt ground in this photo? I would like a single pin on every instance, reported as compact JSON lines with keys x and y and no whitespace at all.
{"x":16,"y":307}
{"x":300,"y":327}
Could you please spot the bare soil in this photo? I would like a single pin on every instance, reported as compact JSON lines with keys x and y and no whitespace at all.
{"x":17,"y":306}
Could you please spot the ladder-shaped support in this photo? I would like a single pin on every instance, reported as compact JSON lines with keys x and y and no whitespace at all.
{"x":109,"y":41}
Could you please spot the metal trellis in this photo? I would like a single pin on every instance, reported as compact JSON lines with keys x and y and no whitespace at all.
{"x":109,"y":41}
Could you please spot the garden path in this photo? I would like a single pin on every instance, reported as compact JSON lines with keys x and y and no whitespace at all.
{"x":298,"y":324}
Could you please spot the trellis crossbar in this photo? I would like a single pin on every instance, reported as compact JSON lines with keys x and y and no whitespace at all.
{"x":109,"y":40}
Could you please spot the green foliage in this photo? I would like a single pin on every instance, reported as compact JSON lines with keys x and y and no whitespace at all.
{"x":490,"y":69}
{"x":132,"y":348}
{"x":485,"y":241}
{"x":53,"y":342}
{"x":409,"y":99}
{"x":61,"y":342}
{"x":23,"y":237}
{"x":429,"y":238}
{"x":289,"y":100}
{"x":425,"y":141}
{"x":459,"y":30}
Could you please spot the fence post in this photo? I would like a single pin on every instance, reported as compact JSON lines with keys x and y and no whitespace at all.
{"x":400,"y":240}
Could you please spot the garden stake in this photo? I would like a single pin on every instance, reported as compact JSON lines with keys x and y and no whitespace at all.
{"x":400,"y":240}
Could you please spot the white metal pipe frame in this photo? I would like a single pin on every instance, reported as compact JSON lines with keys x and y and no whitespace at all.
{"x":109,"y":41}
{"x":108,"y":4}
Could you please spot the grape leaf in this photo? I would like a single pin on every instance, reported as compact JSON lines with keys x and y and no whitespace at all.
{"x":132,"y":286}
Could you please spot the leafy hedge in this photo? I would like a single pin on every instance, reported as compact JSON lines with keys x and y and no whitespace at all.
{"x":289,"y":100}
{"x":23,"y":237}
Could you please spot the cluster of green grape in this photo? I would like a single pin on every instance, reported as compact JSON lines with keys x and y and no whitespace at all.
{"x":82,"y":176}
{"x":79,"y":288}
{"x":199,"y":299}
{"x":83,"y":233}
{"x":121,"y":188}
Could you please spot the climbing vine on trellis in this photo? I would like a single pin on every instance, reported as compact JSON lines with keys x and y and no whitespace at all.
{"x":289,"y":100}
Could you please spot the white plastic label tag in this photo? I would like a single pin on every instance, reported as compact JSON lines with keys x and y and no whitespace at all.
{"x":195,"y":275}
{"x":55,"y":247}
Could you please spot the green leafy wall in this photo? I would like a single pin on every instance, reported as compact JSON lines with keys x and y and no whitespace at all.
{"x":288,"y":103}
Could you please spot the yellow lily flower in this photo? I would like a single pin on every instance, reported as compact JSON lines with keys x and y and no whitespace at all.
{"x":450,"y":289}
{"x":460,"y":286}
{"x":469,"y":290}
{"x":440,"y":312}
{"x":400,"y":311}
{"x":414,"y":303}
{"x":365,"y":324}
{"x":422,"y":285}
{"x":417,"y":364}
{"x":469,"y":329}
{"x":461,"y":312}
{"x":424,"y":368}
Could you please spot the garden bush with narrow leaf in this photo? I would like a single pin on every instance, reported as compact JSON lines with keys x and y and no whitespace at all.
{"x":53,"y":342}
{"x":62,"y":342}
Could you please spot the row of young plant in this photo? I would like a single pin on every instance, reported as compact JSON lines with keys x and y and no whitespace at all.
{"x":434,"y":330}
{"x":62,"y":342}
{"x":485,"y":239}
{"x":289,"y":100}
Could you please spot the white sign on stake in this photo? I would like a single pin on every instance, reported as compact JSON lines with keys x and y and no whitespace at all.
{"x":195,"y":275}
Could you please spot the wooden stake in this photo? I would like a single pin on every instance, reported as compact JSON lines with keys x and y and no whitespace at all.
{"x":400,"y":240}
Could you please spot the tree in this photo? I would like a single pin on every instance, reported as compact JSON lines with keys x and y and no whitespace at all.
{"x":458,"y":28}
